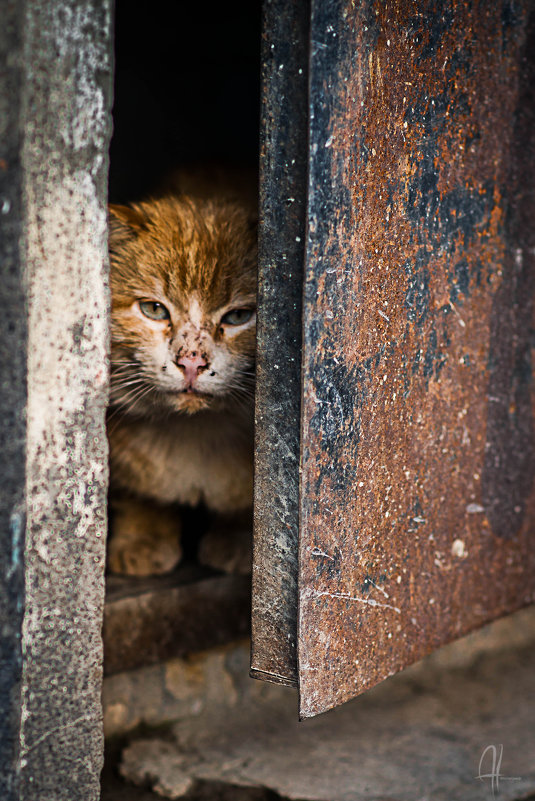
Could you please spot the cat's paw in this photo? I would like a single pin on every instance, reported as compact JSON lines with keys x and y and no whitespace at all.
{"x":143,"y":556}
{"x":227,"y":547}
{"x":145,"y":538}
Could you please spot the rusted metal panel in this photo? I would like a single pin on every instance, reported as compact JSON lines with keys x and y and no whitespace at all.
{"x":281,"y":253}
{"x":416,"y":501}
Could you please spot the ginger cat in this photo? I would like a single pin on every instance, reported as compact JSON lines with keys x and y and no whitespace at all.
{"x":180,"y":423}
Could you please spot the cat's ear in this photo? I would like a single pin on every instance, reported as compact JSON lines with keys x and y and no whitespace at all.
{"x":124,"y":223}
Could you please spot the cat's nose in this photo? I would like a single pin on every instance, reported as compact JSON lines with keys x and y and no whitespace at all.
{"x":193,"y":365}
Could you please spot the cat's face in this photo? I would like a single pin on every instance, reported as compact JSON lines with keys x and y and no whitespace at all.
{"x":183,"y":278}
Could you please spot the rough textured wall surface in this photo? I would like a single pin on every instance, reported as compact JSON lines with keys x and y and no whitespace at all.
{"x":66,"y":123}
{"x":12,"y":398}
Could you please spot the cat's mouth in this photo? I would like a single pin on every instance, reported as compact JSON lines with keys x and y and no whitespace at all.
{"x":190,"y":399}
{"x":174,"y":393}
{"x":193,"y":391}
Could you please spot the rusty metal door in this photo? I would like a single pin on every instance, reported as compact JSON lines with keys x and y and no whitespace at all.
{"x":394,"y":502}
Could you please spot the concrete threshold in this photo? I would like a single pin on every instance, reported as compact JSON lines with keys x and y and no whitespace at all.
{"x":457,"y":726}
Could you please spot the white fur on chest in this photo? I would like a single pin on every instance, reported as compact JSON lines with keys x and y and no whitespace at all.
{"x":206,"y":458}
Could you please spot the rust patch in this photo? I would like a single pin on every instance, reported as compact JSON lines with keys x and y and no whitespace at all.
{"x":417,"y":449}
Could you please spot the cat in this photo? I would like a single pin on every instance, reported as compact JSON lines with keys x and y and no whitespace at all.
{"x":180,"y":421}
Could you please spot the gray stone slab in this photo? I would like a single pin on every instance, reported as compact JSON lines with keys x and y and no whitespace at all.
{"x":419,"y":736}
{"x":65,"y":97}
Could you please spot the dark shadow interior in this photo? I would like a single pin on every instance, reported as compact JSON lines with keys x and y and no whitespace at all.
{"x":186,"y":90}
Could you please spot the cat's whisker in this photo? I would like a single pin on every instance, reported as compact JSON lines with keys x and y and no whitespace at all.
{"x":127,"y":382}
{"x":142,"y":395}
{"x":242,"y":386}
{"x":239,"y":392}
{"x":246,"y":372}
{"x":241,"y":399}
{"x":136,"y":389}
{"x":122,"y":361}
{"x":239,"y":389}
{"x":126,"y":375}
{"x":125,"y":366}
{"x":126,"y":402}
{"x":128,"y":397}
{"x":120,"y":393}
{"x":125,"y":372}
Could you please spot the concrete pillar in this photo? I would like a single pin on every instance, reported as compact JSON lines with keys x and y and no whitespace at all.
{"x":57,"y":95}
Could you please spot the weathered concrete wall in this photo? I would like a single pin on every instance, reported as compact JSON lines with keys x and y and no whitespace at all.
{"x":65,"y":123}
{"x":12,"y":398}
{"x":182,"y":688}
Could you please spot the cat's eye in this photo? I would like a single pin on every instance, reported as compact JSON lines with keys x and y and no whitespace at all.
{"x":237,"y":317}
{"x":154,"y":310}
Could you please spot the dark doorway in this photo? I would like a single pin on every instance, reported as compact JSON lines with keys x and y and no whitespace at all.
{"x":186,"y":90}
